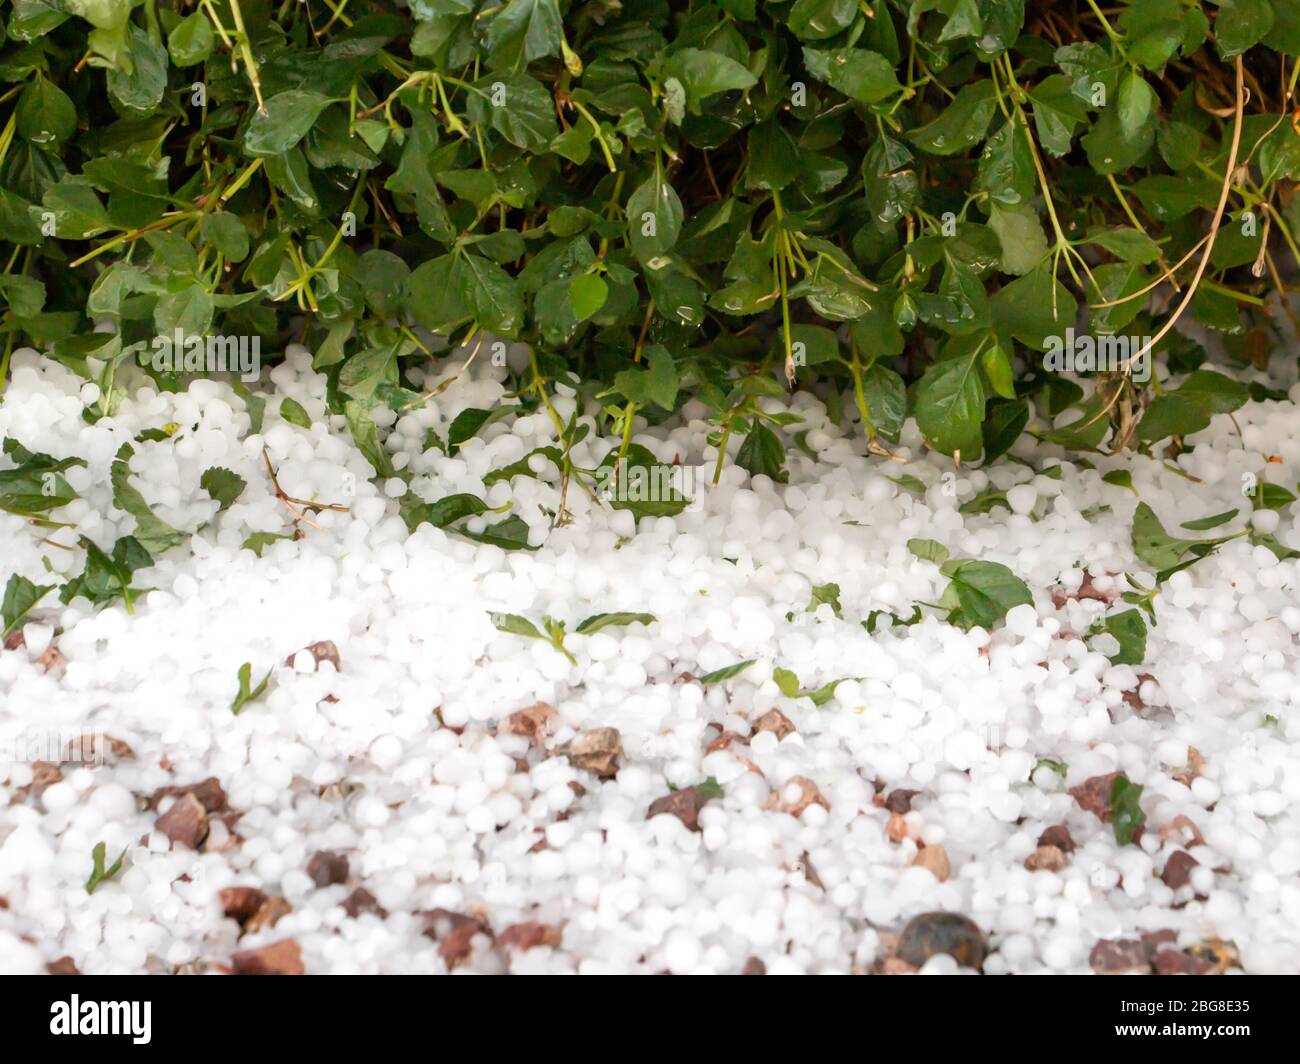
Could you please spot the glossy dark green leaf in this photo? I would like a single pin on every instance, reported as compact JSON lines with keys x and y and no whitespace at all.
{"x":773,"y":157}
{"x":859,"y":73}
{"x":1020,"y":232}
{"x":816,"y":20}
{"x":727,"y":672}
{"x":763,"y":453}
{"x":704,"y":74}
{"x":1126,"y":815}
{"x":223,"y":485}
{"x":950,"y":405}
{"x":1241,"y":24}
{"x":1034,"y":308}
{"x":522,"y":31}
{"x":288,"y":117}
{"x":654,"y":218}
{"x":1160,"y":551}
{"x":518,"y":107}
{"x":985,"y":591}
{"x":45,"y":115}
{"x":1126,"y":243}
{"x":892,"y":186}
{"x":1129,"y":629}
{"x":139,"y":84}
{"x":1058,"y":112}
{"x":20,"y":596}
{"x":1006,"y":170}
{"x":599,"y":621}
{"x":151,"y":532}
{"x":191,"y":41}
{"x":962,"y":124}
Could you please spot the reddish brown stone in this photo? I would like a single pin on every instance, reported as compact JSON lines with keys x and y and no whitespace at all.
{"x":240,"y":903}
{"x":807,"y":794}
{"x":900,"y":800}
{"x":934,"y":859}
{"x":325,"y":650}
{"x":597,"y":751}
{"x":221,"y":842}
{"x":268,"y":914}
{"x":722,"y":742}
{"x":776,"y":722}
{"x":1119,"y":956}
{"x":1087,"y":590}
{"x":533,"y":722}
{"x":207,"y":791}
{"x":186,"y":822}
{"x":279,"y":958}
{"x":684,"y":804}
{"x":1057,"y":835}
{"x":95,"y":747}
{"x":526,"y":936}
{"x":327,"y":868}
{"x":44,"y":774}
{"x":754,"y":966}
{"x":455,"y":934}
{"x":362,"y":901}
{"x":1178,"y":869}
{"x":1155,"y":941}
{"x":63,"y":966}
{"x":1133,"y":696}
{"x":1190,"y":771}
{"x":1182,"y":829}
{"x":1093,"y":795}
{"x":1046,"y":859}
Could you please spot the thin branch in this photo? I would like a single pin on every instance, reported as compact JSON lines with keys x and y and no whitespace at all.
{"x":1229,"y":170}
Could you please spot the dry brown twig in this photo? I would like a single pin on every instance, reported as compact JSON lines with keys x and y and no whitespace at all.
{"x":444,"y":385}
{"x":1208,"y":242}
{"x":1228,"y":172}
{"x":290,"y":502}
{"x":1167,"y":274}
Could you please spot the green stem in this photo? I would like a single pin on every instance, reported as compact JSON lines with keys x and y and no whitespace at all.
{"x":629,"y":412}
{"x":722,"y":451}
{"x":4,"y":362}
{"x":246,"y":51}
{"x":1115,"y":38}
{"x":600,"y":137}
{"x":1062,"y":243}
{"x":860,"y":397}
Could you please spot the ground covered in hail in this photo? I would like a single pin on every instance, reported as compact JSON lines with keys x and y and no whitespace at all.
{"x":788,"y":727}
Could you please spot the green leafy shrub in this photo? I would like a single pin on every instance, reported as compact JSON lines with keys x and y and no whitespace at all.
{"x":903,"y":204}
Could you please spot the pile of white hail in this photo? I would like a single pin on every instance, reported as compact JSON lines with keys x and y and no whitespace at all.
{"x":431,"y":793}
